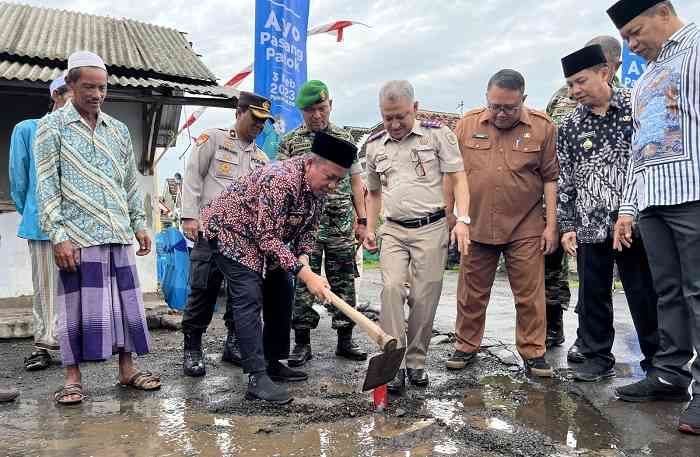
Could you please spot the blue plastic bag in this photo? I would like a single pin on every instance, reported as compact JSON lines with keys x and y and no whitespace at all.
{"x":173,"y":267}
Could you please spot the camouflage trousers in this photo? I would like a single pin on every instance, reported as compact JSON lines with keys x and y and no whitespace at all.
{"x":556,"y":279}
{"x":339,"y":268}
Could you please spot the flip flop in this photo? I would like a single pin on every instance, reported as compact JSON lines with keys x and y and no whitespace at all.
{"x":66,"y":391}
{"x":140,"y":380}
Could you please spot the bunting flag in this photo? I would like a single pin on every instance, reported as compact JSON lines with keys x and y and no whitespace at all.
{"x":336,"y":27}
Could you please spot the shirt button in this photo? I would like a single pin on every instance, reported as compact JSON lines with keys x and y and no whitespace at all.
{"x":500,"y":169}
{"x":524,"y":149}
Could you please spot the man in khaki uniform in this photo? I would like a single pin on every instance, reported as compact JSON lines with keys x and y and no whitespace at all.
{"x":405,"y":168}
{"x":509,"y":154}
{"x":219,"y":157}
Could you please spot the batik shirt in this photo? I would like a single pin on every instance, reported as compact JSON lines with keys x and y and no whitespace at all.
{"x":665,"y":164}
{"x":267,"y":218}
{"x":87,"y":189}
{"x":593,"y":154}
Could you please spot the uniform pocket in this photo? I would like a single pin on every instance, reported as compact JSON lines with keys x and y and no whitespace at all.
{"x":423,"y":159}
{"x":226,"y":163}
{"x":200,"y":265}
{"x":385,"y":170}
{"x":525,"y":154}
{"x":476,"y":153}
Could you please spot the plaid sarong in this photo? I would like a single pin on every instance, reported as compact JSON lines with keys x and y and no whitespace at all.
{"x":101,"y":307}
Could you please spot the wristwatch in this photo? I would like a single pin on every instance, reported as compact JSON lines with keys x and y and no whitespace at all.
{"x":361,"y":221}
{"x":466,"y":220}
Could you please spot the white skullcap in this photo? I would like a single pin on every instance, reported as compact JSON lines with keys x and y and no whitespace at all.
{"x":85,"y":59}
{"x":57,"y":84}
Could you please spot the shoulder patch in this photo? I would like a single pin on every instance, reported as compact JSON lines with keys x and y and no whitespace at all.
{"x":431,"y":124}
{"x":201,"y":139}
{"x":376,"y":136}
{"x":474,"y":112}
{"x":540,"y":114}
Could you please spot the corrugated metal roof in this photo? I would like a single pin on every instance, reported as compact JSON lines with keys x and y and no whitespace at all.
{"x":44,"y":33}
{"x":38,"y":73}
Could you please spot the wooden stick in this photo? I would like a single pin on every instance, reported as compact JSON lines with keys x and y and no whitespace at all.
{"x":385,"y":341}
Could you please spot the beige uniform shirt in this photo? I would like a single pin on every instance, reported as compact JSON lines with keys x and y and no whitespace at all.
{"x":218,"y":158}
{"x":409,"y":171}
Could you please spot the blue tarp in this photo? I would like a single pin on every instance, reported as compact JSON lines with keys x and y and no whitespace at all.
{"x":173,"y":267}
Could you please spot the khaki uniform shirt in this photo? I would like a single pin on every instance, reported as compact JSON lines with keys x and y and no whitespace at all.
{"x":507,"y":170}
{"x":409,"y":172}
{"x":218,"y":158}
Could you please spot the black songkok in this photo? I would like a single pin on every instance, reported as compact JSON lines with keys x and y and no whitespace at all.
{"x":588,"y":57}
{"x":624,"y":11}
{"x":337,"y":150}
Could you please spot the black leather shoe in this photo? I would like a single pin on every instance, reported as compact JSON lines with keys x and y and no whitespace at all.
{"x":417,"y":376}
{"x":574,"y":355}
{"x":261,"y":387}
{"x":279,"y":372}
{"x":651,"y":389}
{"x":347,"y":348}
{"x":591,"y":371}
{"x":232,"y":353}
{"x":555,"y":327}
{"x":398,"y":384}
{"x":193,"y":358}
{"x":300,"y":355}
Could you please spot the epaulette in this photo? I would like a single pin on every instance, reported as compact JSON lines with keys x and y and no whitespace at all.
{"x":376,"y":136}
{"x":431,"y":124}
{"x":474,"y":111}
{"x":540,"y":114}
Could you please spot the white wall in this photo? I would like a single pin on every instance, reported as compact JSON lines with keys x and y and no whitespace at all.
{"x":15,"y":265}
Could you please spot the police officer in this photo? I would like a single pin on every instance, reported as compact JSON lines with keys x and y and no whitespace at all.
{"x":406,"y":165}
{"x":219,"y":157}
{"x":335,"y":235}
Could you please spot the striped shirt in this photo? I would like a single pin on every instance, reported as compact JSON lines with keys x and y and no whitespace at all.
{"x":87,"y":189}
{"x":665,"y":163}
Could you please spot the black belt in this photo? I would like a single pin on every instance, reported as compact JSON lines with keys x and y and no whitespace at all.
{"x":421,"y":221}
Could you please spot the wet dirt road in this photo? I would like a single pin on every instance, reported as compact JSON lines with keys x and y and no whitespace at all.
{"x":489,"y":409}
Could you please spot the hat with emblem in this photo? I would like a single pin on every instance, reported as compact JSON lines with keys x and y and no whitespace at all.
{"x":258,"y":105}
{"x":624,"y":11}
{"x":337,"y":150}
{"x":588,"y":57}
{"x":312,"y":92}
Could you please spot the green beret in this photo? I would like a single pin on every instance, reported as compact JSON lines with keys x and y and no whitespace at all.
{"x":311,"y":92}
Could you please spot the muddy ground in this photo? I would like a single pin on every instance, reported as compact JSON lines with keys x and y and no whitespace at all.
{"x":490,"y":409}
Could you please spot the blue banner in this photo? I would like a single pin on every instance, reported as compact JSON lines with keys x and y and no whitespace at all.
{"x":280,"y":63}
{"x":632,"y":67}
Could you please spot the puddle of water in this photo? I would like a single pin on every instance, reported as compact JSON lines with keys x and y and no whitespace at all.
{"x":570,"y":422}
{"x":169,"y":427}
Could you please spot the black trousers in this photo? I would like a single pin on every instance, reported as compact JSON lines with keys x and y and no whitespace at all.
{"x":595,"y":307}
{"x":674,"y":257}
{"x":249,"y":294}
{"x":205,"y":283}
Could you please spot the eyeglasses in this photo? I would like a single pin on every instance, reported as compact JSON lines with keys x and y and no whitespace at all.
{"x":419,"y":168}
{"x":507,"y":109}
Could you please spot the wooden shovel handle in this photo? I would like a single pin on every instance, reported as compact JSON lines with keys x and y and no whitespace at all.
{"x":385,"y":341}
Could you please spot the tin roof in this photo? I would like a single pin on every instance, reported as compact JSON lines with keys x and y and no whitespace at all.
{"x":51,"y":35}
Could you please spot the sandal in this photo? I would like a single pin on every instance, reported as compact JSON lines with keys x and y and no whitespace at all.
{"x":39,"y":360}
{"x":66,"y":391}
{"x":141,"y":380}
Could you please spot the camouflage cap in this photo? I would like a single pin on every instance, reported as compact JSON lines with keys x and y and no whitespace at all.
{"x":313,"y":91}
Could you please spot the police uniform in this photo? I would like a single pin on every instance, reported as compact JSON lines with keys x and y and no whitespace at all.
{"x":414,"y":236}
{"x":334,"y":247}
{"x":219,"y":157}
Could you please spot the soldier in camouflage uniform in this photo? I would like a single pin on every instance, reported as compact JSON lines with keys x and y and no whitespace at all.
{"x":556,"y":266}
{"x":335,"y":235}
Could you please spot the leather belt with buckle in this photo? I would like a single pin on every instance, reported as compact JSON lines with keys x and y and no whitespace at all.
{"x":421,"y":221}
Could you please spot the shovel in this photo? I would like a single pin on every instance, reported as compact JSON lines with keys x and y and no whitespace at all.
{"x":382,"y":367}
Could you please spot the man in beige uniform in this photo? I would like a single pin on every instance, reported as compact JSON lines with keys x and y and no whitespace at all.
{"x":405,"y":168}
{"x":219,"y":157}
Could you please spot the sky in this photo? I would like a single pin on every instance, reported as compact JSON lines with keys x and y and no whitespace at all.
{"x":448,"y":49}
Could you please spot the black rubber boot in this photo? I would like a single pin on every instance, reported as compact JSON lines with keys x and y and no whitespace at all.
{"x":555,"y":327}
{"x":193,"y":359}
{"x":347,"y":348}
{"x":261,"y":387}
{"x":232,"y":353}
{"x":302,"y":348}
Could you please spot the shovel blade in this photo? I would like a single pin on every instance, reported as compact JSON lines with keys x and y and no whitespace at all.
{"x":382,"y":368}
